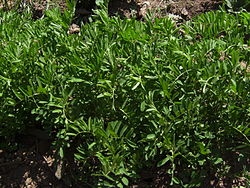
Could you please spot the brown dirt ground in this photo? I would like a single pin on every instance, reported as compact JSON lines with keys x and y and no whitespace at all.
{"x":32,"y":163}
{"x":184,"y":8}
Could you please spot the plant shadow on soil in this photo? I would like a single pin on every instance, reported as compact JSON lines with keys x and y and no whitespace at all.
{"x":31,"y":164}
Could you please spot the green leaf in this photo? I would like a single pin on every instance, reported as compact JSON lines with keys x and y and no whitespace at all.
{"x":41,"y":90}
{"x":163,"y":161}
{"x":57,"y":111}
{"x":61,"y":153}
{"x":10,"y":101}
{"x":218,"y":161}
{"x":176,"y":180}
{"x":105,"y":94}
{"x":203,"y":149}
{"x":136,"y":85}
{"x":201,"y":162}
{"x":151,"y":136}
{"x":247,"y":131}
{"x":125,"y":181}
{"x":90,"y":146}
{"x":75,"y":80}
{"x":5,"y":79}
{"x":18,"y":95}
{"x":143,"y":104}
{"x":234,"y":86}
{"x":119,"y":185}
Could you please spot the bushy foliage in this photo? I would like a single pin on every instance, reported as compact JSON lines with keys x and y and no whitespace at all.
{"x":127,"y":95}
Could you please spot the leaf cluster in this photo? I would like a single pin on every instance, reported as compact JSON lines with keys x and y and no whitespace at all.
{"x":126,"y":95}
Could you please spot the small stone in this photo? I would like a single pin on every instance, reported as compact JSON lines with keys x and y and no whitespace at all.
{"x":245,"y":66}
{"x":184,"y":11}
{"x":26,"y":174}
{"x":28,"y":181}
{"x":74,"y":29}
{"x":59,"y":169}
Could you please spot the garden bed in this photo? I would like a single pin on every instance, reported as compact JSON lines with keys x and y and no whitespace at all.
{"x":44,"y":83}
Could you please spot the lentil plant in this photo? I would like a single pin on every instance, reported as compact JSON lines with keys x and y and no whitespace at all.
{"x":122,"y":95}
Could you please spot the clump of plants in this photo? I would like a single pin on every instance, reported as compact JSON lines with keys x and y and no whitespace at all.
{"x":122,"y":95}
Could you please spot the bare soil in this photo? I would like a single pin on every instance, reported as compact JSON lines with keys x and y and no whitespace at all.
{"x":32,"y":163}
{"x":129,"y":8}
{"x":184,"y":8}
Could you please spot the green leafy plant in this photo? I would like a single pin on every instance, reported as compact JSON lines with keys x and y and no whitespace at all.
{"x":122,"y":95}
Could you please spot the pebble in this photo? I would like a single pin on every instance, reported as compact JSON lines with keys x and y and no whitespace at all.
{"x":28,"y":181}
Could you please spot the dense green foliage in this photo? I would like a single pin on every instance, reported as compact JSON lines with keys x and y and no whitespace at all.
{"x":126,"y":95}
